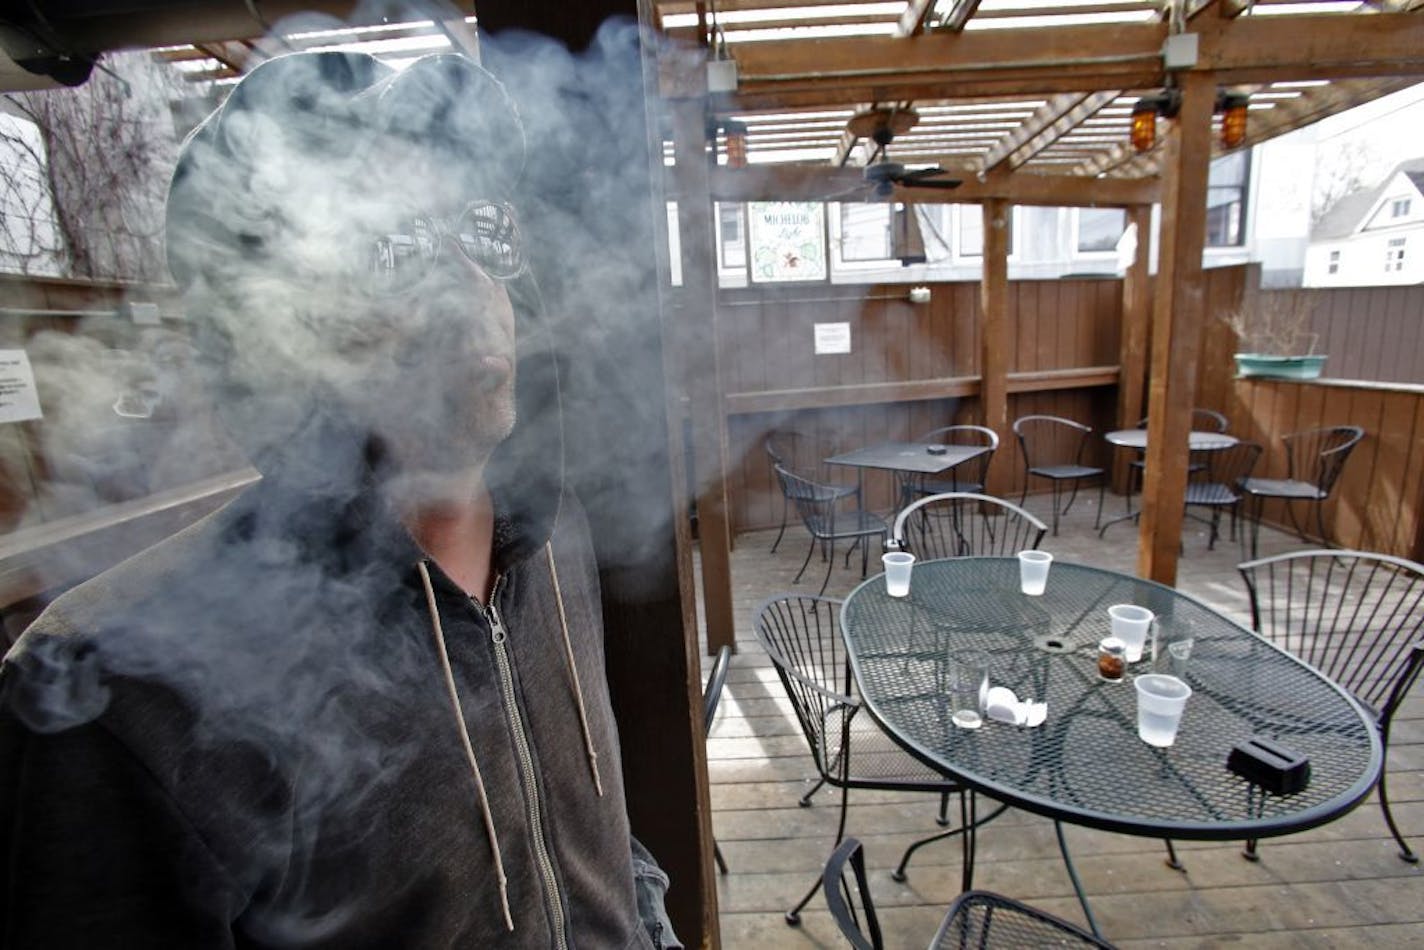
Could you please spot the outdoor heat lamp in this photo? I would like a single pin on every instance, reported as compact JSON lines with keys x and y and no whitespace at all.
{"x":1233,"y":107}
{"x":736,"y":143}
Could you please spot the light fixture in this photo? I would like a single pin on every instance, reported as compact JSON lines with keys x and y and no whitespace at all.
{"x":1166,"y":103}
{"x":736,"y":133}
{"x":1233,"y":107}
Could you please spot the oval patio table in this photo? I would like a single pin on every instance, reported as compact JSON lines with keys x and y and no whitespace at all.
{"x":1085,"y":764}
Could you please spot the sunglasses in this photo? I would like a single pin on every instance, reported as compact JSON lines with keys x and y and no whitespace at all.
{"x":485,"y":233}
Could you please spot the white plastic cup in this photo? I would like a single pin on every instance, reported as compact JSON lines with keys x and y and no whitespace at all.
{"x":1130,"y":624}
{"x":1160,"y":702}
{"x":1033,"y":571}
{"x":898,"y":565}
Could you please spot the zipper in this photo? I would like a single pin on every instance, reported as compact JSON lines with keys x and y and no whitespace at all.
{"x":498,"y":636}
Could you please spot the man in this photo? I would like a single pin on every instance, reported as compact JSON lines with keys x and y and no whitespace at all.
{"x":363,"y":705}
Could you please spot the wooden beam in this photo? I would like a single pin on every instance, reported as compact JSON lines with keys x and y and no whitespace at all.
{"x":1085,"y":58}
{"x":960,"y":14}
{"x":696,"y":333}
{"x":1271,"y":49}
{"x":789,"y":182}
{"x":912,"y":20}
{"x":941,"y":64}
{"x":1052,"y":121}
{"x":1177,"y":318}
{"x":993,"y":337}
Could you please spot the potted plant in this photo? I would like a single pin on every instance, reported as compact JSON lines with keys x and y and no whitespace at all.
{"x":1274,"y":336}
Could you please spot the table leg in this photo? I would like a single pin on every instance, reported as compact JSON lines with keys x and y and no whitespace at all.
{"x":1077,"y":884}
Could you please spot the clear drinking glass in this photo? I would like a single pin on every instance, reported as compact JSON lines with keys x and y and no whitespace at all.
{"x":967,"y":681}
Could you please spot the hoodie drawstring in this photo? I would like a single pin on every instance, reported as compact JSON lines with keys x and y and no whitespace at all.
{"x":573,"y":672}
{"x":465,"y":739}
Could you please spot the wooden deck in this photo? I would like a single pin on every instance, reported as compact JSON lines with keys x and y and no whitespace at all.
{"x":1342,"y":885}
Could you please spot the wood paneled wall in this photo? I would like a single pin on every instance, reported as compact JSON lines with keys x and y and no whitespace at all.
{"x":912,"y":368}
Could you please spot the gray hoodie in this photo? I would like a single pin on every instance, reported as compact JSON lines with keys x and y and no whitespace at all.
{"x":285,"y":727}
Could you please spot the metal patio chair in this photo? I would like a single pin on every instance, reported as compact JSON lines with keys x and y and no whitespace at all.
{"x":1226,"y":470}
{"x":711,"y":697}
{"x":977,"y":919}
{"x":1314,"y":461}
{"x":802,"y":636}
{"x":1053,"y":449}
{"x":963,"y":524}
{"x":967,"y":476}
{"x":800,"y":453}
{"x":817,"y":505}
{"x":1355,"y":616}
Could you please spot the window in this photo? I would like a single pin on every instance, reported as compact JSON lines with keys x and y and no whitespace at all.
{"x":865,"y":231}
{"x":729,"y":231}
{"x":1394,"y":255}
{"x":1099,"y":229}
{"x":971,"y":231}
{"x":1226,"y":200}
{"x":1334,"y":267}
{"x":1399,"y":208}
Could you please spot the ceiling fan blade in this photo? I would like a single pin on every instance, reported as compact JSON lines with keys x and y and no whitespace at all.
{"x":857,"y":193}
{"x":916,"y":173}
{"x":932,"y":182}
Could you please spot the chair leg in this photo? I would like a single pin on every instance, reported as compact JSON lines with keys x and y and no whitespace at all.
{"x":830,"y":565}
{"x":717,"y":854}
{"x":782,"y":529}
{"x":1073,"y":497}
{"x":943,"y":819}
{"x":1102,"y":489}
{"x":805,"y":800}
{"x":1405,"y":852}
{"x":1173,"y":861}
{"x":809,"y":551}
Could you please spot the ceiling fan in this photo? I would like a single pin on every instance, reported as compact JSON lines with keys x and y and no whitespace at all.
{"x":881,"y":126}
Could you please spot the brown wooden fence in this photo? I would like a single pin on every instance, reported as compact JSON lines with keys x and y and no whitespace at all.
{"x":912,"y":368}
{"x":1369,"y":333}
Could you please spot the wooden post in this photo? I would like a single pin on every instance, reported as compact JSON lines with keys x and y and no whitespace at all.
{"x":1136,"y":312}
{"x":697,"y":337}
{"x":994,"y":354}
{"x":1177,"y":319}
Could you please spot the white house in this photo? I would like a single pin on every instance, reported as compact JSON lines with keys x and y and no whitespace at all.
{"x":1373,"y":236}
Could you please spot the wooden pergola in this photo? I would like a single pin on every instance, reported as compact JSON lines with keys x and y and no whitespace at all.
{"x":1023,"y":114}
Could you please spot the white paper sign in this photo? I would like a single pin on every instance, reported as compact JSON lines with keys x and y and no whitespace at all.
{"x":832,"y":338}
{"x":19,"y":400}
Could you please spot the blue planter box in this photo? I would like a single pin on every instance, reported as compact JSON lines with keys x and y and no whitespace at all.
{"x":1279,"y":367}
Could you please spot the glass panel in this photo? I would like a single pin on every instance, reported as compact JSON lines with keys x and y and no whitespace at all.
{"x":865,"y":232}
{"x":1099,"y":229}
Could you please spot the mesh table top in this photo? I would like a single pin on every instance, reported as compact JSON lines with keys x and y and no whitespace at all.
{"x":1085,"y":764}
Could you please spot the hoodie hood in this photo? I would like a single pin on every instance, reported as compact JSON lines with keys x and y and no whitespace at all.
{"x":307,"y":151}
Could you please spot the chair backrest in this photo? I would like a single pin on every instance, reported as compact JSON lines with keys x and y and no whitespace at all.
{"x":848,"y":895}
{"x":802,"y":636}
{"x":1229,"y":466}
{"x":800,"y":452}
{"x":1355,"y":616}
{"x":815,"y":502}
{"x":988,"y":921}
{"x":962,"y":524}
{"x":975,"y":470}
{"x":1050,"y":440}
{"x":712,"y":692}
{"x":1318,"y":455}
{"x":1209,"y":420}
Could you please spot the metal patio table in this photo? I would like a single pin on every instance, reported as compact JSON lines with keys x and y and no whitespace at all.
{"x":1197,"y":441}
{"x":1085,"y":764}
{"x":906,"y":457}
